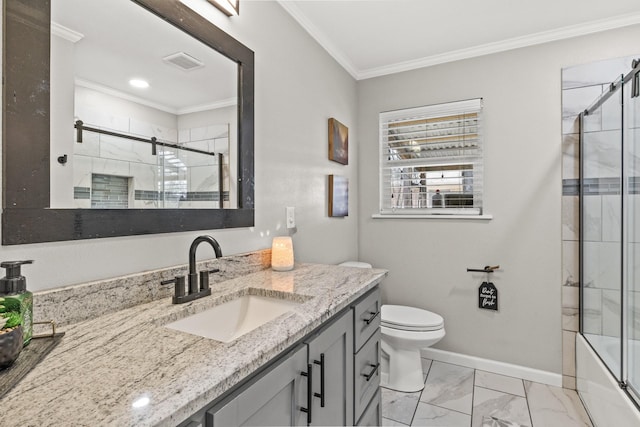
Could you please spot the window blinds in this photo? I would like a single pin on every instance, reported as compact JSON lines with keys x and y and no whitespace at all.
{"x":431,"y":159}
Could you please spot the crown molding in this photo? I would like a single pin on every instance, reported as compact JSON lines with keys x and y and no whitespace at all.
{"x":319,"y":37}
{"x":230,"y":102}
{"x":65,"y":33}
{"x":456,"y":55}
{"x":167,"y":109}
{"x":122,"y":95}
{"x":505,"y":45}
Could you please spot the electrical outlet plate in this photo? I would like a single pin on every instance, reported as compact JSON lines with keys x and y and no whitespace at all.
{"x":291,"y":217}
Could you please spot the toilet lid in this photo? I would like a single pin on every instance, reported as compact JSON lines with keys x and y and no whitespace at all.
{"x":410,"y":318}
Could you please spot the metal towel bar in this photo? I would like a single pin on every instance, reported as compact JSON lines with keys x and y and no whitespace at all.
{"x":486,"y":269}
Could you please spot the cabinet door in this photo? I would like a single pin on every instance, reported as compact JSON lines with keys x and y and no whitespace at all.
{"x":372,"y":416}
{"x":331,"y":355}
{"x":274,"y":399}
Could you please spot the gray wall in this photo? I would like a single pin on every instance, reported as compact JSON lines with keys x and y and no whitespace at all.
{"x":298,"y":88}
{"x":427,"y":258}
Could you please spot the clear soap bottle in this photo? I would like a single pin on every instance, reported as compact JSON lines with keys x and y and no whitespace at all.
{"x":16,"y":302}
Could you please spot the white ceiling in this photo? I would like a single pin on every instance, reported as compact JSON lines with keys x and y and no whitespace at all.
{"x":119,"y":40}
{"x":367,"y":37}
{"x":376,"y":37}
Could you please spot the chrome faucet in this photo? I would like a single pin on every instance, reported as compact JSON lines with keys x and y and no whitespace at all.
{"x":195,"y":290}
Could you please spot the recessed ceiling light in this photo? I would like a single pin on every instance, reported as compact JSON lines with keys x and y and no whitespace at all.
{"x":139,"y":83}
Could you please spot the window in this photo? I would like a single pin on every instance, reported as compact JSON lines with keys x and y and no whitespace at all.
{"x":431,"y":160}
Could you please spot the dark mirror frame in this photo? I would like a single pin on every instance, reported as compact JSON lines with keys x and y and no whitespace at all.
{"x":26,"y":216}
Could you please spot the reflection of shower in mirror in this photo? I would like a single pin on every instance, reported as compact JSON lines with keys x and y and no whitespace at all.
{"x":195,"y":129}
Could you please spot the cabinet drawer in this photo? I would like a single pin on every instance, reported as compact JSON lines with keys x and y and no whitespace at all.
{"x":366,"y":373}
{"x":366,"y":318}
{"x":373,"y":414}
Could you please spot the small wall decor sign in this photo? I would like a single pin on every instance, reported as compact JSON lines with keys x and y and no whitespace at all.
{"x":338,"y":142}
{"x":488,"y":296}
{"x":338,"y":196}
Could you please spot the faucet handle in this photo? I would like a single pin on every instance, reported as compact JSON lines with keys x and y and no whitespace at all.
{"x":204,"y":280}
{"x":179,"y":282}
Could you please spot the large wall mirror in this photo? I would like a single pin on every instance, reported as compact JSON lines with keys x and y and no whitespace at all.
{"x":123,"y":118}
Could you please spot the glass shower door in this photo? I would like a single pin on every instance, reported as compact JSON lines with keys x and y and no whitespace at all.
{"x":632,"y":291}
{"x":601,"y":185}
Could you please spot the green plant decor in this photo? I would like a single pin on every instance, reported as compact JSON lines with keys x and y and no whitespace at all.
{"x":9,"y":313}
{"x":13,"y":319}
{"x":9,"y":304}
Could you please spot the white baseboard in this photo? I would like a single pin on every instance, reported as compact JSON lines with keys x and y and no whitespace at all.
{"x":494,"y":366}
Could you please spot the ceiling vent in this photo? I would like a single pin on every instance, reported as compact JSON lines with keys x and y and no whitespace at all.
{"x":183,"y":61}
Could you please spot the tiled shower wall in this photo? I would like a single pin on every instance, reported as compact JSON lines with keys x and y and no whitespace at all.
{"x":109,"y":155}
{"x":581,"y":86}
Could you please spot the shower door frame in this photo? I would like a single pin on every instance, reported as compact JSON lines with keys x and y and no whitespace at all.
{"x":618,"y":84}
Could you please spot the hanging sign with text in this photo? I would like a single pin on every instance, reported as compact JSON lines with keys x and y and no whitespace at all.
{"x":488,"y":296}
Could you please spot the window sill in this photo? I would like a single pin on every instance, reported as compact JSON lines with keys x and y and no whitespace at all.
{"x":485,"y":217}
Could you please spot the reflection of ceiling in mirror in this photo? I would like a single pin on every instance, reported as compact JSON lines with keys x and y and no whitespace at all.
{"x":122,"y":41}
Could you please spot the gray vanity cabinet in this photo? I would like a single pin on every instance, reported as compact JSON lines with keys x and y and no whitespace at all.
{"x":334,"y":372}
{"x":280,"y":397}
{"x":274,"y":399}
{"x":330,"y":356}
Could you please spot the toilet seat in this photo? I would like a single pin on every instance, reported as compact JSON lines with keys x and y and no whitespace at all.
{"x":412,"y":328}
{"x":410,"y":319}
{"x":410,"y":337}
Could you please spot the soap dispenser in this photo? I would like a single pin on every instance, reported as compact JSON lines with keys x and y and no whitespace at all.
{"x":16,"y":303}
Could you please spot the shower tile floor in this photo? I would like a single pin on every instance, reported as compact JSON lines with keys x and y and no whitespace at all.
{"x":456,"y":396}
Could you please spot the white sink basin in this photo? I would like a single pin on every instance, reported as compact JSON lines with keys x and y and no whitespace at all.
{"x":228,"y":321}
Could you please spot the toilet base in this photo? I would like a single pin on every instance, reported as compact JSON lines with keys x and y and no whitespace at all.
{"x":403,"y":371}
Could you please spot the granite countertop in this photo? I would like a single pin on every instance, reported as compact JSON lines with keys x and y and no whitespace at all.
{"x":104,"y":365}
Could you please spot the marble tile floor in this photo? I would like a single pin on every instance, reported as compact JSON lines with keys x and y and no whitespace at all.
{"x":456,"y":396}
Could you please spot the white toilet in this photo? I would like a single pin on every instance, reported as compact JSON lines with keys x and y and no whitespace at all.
{"x":405,"y":330}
